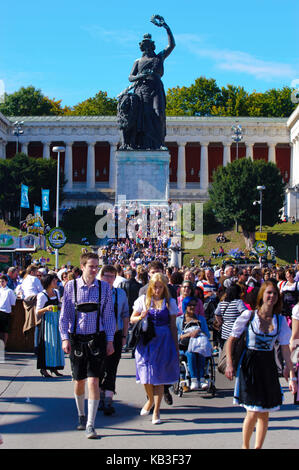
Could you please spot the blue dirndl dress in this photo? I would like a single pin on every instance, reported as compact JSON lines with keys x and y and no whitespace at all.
{"x":50,"y":354}
{"x":157,"y":362}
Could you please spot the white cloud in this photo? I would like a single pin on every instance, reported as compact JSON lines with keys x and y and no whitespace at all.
{"x":237,"y":61}
{"x":108,"y":35}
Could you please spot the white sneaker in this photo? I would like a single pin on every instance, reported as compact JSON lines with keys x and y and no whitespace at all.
{"x":194,"y":384}
{"x":203,"y":385}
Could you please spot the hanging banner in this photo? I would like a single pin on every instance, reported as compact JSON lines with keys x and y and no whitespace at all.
{"x":45,"y":200}
{"x":37,"y":210}
{"x":24,"y":196}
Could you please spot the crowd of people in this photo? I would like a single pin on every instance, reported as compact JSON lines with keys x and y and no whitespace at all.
{"x":127,"y":290}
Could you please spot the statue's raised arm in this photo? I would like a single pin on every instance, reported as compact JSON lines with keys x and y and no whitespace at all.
{"x":159,"y":21}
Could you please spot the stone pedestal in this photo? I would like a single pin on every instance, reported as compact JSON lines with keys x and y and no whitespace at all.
{"x":142,"y":175}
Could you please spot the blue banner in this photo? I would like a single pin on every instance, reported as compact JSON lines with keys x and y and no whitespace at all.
{"x":37,"y":210}
{"x":24,"y":196}
{"x":45,"y":200}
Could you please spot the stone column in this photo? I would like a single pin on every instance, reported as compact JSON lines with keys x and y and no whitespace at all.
{"x":46,"y":150}
{"x":181,"y":171}
{"x":296,"y":161}
{"x":226,"y":153}
{"x":68,"y":165}
{"x":3,"y":150}
{"x":24,"y":147}
{"x":249,"y":150}
{"x":90,"y":177}
{"x":291,"y":182}
{"x":112,"y":166}
{"x":204,"y":166}
{"x":271,"y":153}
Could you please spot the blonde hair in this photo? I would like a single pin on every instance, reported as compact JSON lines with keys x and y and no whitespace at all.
{"x":157,"y":277}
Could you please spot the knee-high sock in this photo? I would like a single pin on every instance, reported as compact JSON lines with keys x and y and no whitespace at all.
{"x":80,"y":403}
{"x":92,"y":411}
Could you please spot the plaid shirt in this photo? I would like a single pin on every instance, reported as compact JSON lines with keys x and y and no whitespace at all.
{"x":86,"y":322}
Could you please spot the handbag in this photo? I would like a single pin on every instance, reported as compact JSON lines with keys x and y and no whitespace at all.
{"x":200,"y":345}
{"x":184,"y":342}
{"x":238,"y":348}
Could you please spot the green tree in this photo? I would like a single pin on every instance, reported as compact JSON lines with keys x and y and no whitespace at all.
{"x":99,"y":105}
{"x":233,"y":192}
{"x":205,"y":98}
{"x":26,"y":102}
{"x":30,"y":101}
{"x":271,"y":103}
{"x":36,"y":173}
{"x":197,"y":100}
{"x":233,"y":102}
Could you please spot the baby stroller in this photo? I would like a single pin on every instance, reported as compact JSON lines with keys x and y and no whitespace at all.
{"x":201,"y":345}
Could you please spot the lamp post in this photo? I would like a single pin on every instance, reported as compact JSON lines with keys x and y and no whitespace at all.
{"x":18,"y":130}
{"x":260,"y":202}
{"x":57,"y":150}
{"x":237,"y":137}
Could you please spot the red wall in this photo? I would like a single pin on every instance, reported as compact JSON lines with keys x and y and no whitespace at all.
{"x":79,"y":161}
{"x":11,"y":149}
{"x":283,"y":161}
{"x":192,"y":157}
{"x":215,"y":158}
{"x":102,"y":161}
{"x":173,"y":164}
{"x":260,"y":152}
{"x":35,"y":149}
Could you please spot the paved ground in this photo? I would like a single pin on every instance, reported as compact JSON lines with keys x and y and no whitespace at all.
{"x":39,"y":413}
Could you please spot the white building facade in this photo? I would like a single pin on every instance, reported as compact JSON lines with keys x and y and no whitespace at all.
{"x":197,"y":145}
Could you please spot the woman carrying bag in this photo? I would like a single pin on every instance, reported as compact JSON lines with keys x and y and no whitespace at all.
{"x":257,"y":386}
{"x":157,"y":361}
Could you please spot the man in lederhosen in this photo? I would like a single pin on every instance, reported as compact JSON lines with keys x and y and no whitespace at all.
{"x":108,"y":273}
{"x":87,"y":329}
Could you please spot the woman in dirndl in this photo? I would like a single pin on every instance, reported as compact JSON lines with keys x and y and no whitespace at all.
{"x":294,"y":345}
{"x":257,"y":386}
{"x":49,"y":350}
{"x":157,"y":362}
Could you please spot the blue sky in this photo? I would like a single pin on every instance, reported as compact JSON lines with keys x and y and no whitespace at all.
{"x":71,"y":50}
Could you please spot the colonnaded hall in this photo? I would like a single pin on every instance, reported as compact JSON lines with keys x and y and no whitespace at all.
{"x":197,"y":146}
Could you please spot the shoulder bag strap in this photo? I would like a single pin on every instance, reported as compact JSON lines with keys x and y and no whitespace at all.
{"x":76,"y":304}
{"x":99,"y":307}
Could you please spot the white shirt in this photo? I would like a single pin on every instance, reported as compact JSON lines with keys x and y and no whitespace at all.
{"x":7,"y":299}
{"x":118,"y":280}
{"x":42,"y":299}
{"x":241,"y":324}
{"x":139,"y":305}
{"x":295,"y":312}
{"x":31,"y":285}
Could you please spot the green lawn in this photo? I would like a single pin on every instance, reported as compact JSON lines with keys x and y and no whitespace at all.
{"x":283,"y":237}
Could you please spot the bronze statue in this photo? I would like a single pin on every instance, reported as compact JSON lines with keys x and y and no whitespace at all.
{"x":141,"y":115}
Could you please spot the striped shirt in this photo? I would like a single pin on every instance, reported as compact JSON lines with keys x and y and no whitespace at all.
{"x":207,"y":287}
{"x":86,"y":322}
{"x":229,"y":311}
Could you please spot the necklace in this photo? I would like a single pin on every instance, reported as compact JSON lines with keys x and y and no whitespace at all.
{"x":157,"y":304}
{"x":266,"y":323}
